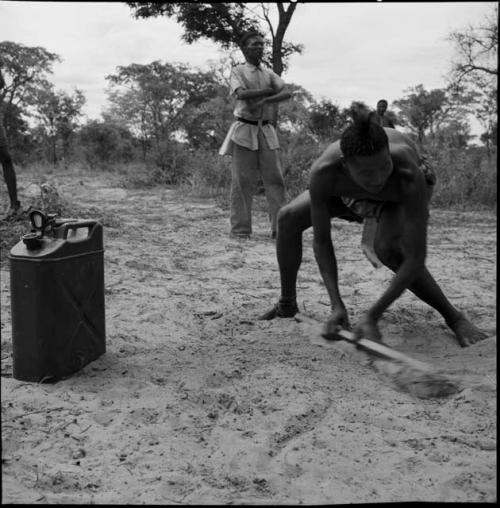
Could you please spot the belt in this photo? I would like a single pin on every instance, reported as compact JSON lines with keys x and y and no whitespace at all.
{"x":252,"y":122}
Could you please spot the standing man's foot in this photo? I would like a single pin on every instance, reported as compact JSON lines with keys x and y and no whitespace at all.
{"x":285,"y":308}
{"x":465,"y":332}
{"x":13,"y":211}
{"x":239,"y":236}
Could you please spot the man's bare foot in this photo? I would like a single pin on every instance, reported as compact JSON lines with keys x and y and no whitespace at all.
{"x":465,"y":332}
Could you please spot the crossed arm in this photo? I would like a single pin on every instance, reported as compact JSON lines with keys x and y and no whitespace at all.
{"x":266,"y":95}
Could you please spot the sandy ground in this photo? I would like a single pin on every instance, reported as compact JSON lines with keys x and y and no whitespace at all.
{"x":195,"y":401}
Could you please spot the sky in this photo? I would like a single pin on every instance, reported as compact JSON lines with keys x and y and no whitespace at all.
{"x":352,"y":50}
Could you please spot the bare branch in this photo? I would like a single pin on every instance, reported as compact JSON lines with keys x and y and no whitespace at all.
{"x":265,"y":12}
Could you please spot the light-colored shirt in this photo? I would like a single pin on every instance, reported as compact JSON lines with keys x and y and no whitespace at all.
{"x":248,"y":77}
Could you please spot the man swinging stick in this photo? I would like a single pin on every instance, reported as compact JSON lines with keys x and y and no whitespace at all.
{"x":371,"y":171}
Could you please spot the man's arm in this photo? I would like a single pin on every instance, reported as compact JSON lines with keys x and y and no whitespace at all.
{"x":253,"y":93}
{"x":238,"y":87}
{"x":413,"y":240}
{"x":282,"y":95}
{"x":319,"y":188}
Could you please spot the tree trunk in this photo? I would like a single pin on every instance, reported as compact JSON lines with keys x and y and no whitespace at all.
{"x":283,"y":21}
{"x":53,"y":149}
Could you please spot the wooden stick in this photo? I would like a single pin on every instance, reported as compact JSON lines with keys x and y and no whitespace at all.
{"x":371,"y":347}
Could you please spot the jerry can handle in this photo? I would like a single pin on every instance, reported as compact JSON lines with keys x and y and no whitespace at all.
{"x":75,"y":225}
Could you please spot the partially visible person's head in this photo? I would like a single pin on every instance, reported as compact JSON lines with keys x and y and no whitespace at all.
{"x":365,"y":149}
{"x":252,"y":46}
{"x":381,"y":106}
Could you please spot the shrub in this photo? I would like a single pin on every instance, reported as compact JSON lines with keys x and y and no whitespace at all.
{"x":104,"y":143}
{"x":466,"y":177}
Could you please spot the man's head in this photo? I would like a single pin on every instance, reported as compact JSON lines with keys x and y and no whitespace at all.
{"x":365,"y":150}
{"x":252,"y":46}
{"x":381,"y":107}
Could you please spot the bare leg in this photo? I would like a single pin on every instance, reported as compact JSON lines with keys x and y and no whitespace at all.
{"x":424,"y":286}
{"x":427,"y":289}
{"x":293,"y":220}
{"x":8,"y":171}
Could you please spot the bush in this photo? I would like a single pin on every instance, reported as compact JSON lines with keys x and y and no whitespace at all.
{"x":208,"y":174}
{"x":104,"y":143}
{"x":298,"y":153}
{"x":466,"y":178}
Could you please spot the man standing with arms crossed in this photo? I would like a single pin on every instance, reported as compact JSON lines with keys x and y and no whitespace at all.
{"x":252,"y":140}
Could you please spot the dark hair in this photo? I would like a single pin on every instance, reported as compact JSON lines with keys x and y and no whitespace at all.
{"x":382,"y":101}
{"x":365,"y":135}
{"x":248,"y":35}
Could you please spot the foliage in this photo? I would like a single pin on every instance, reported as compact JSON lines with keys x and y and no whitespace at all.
{"x":208,"y":175}
{"x":165,"y":122}
{"x":475,"y":68}
{"x":327,"y":120}
{"x":476,"y":49}
{"x":424,"y":111}
{"x":18,"y":134}
{"x":103,"y":143}
{"x":222,"y":22}
{"x":58,"y":113}
{"x":25,"y":71}
{"x":205,"y":126}
{"x":466,"y":178}
{"x":294,"y":114}
{"x":157,"y":99}
{"x":225,"y":23}
{"x":298,"y":151}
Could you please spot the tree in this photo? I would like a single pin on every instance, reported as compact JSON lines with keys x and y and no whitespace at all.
{"x":16,"y":128}
{"x":425,"y":111}
{"x":327,"y":120}
{"x":476,"y":68}
{"x":105,"y":142}
{"x":294,"y":115}
{"x":25,"y":71}
{"x":454,"y":135}
{"x":156,"y":99}
{"x":206,"y":124}
{"x":58,"y":113}
{"x":225,"y":23}
{"x":477,"y":49}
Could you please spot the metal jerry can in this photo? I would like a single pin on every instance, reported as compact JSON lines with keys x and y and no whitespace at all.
{"x":57,"y":298}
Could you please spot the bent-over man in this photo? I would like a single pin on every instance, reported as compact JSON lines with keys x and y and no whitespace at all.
{"x":370,"y":172}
